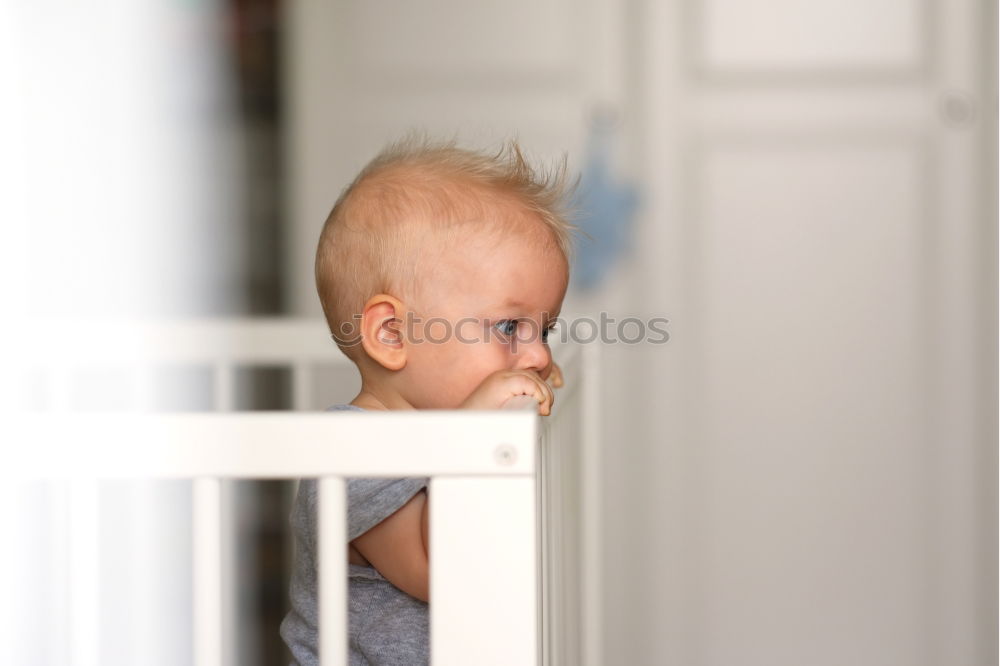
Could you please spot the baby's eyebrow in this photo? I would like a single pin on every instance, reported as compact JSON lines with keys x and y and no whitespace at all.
{"x":514,"y":303}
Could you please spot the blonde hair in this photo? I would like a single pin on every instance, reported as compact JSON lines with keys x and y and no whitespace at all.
{"x":371,"y":243}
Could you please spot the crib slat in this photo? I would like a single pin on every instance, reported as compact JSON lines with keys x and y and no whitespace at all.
{"x":484,"y":598}
{"x":84,"y":557}
{"x":591,"y":466}
{"x":542,"y":493}
{"x":207,"y":567}
{"x":332,"y":521}
{"x":301,"y":386}
{"x":224,"y":397}
{"x":557,"y":553}
{"x":230,"y":572}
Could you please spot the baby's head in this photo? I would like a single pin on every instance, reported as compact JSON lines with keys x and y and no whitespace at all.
{"x":439,"y":266}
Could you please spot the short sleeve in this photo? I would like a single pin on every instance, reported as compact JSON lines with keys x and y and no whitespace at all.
{"x":370,"y":501}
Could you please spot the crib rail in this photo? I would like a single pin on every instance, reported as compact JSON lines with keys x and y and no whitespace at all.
{"x":514,"y":526}
{"x":482,"y":465}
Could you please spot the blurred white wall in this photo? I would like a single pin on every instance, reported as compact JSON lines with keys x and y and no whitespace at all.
{"x":805,"y":473}
{"x":115,"y":204}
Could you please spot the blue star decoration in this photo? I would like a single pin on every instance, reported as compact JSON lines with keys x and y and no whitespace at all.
{"x":605,"y":213}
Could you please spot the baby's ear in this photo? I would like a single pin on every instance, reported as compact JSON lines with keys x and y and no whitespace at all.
{"x":382,"y":331}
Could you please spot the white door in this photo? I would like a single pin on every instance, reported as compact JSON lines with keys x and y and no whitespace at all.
{"x":821,"y":489}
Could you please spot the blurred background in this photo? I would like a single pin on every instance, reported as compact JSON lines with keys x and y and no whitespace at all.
{"x":805,"y":473}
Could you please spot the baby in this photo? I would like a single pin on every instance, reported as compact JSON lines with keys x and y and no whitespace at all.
{"x":441,"y":272}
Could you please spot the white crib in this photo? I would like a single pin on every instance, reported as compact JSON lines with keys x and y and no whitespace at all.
{"x":515,"y":531}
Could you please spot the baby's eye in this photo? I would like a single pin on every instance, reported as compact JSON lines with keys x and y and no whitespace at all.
{"x":507,"y":326}
{"x":545,"y":333}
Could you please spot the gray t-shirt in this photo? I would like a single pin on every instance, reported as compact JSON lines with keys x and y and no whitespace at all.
{"x":386,"y":626}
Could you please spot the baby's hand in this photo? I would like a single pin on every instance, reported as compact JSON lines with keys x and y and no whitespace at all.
{"x":503,"y":385}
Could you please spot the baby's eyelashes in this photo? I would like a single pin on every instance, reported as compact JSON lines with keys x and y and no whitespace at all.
{"x":509,"y":327}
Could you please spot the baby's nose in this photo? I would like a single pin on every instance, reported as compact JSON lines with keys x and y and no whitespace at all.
{"x":534,"y":355}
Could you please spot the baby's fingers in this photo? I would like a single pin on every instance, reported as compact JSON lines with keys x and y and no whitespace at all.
{"x":547,"y":396}
{"x":556,"y":376}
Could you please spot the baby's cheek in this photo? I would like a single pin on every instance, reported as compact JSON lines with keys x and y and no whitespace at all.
{"x":475,"y":362}
{"x":437,"y":331}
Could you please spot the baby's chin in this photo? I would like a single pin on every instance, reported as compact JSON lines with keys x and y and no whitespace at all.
{"x":432,"y":400}
{"x":450,"y":399}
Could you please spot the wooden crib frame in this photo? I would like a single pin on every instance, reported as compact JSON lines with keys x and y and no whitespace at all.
{"x":514,"y":523}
